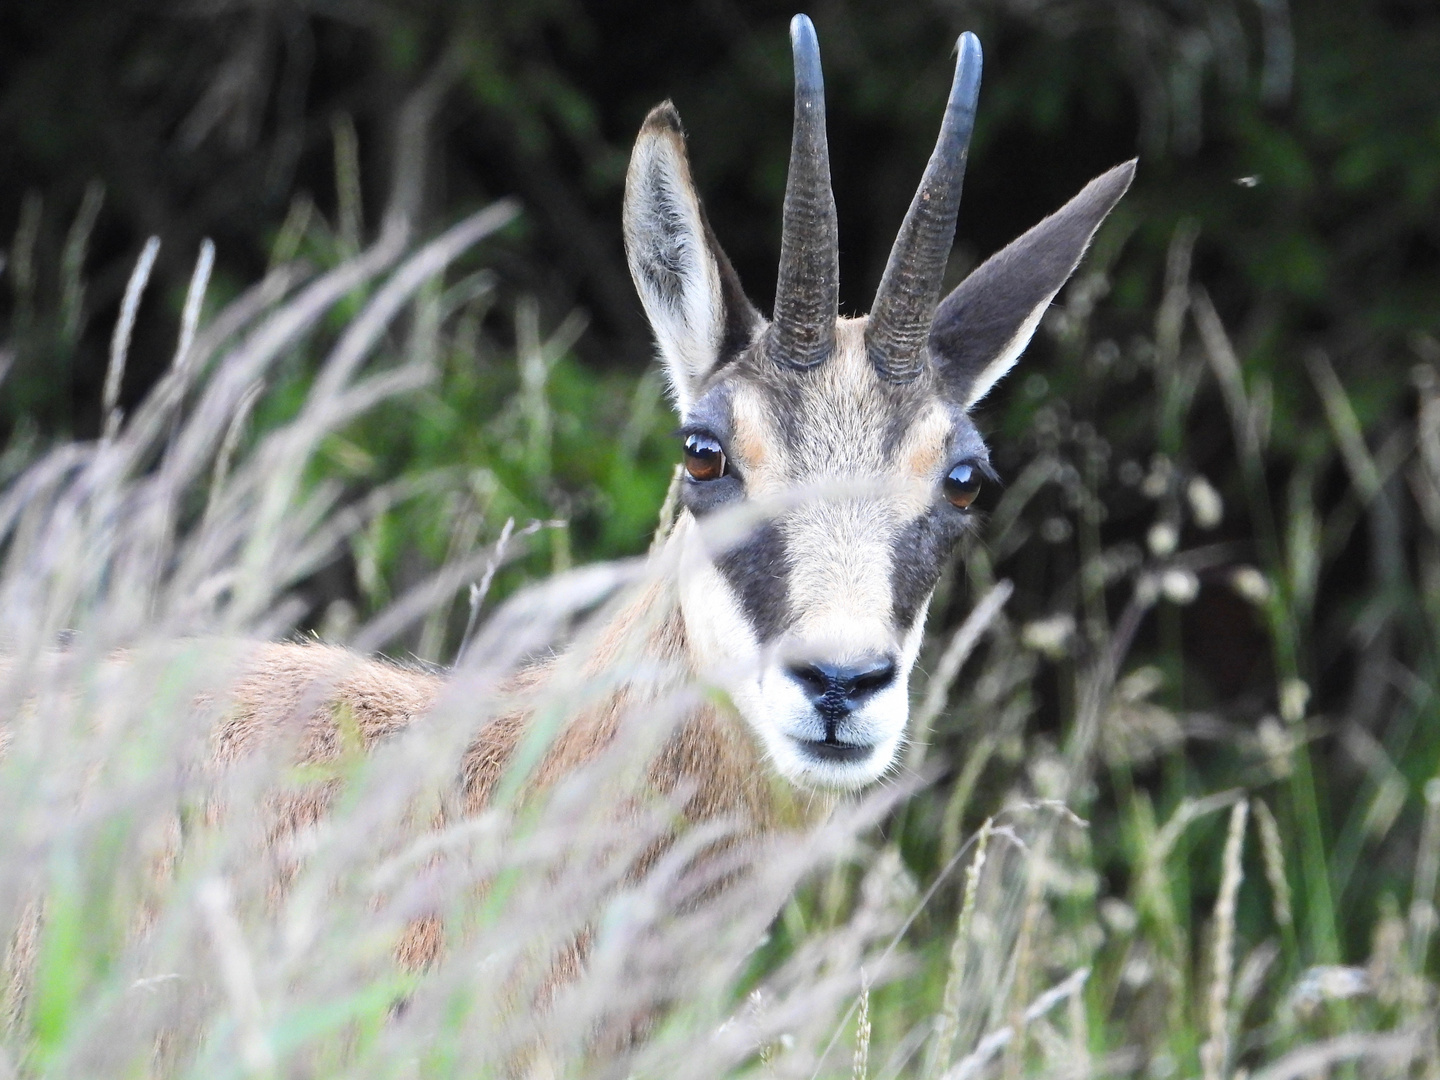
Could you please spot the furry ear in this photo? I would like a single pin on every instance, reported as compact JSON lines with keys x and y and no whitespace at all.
{"x":981,"y":328}
{"x":692,"y":297}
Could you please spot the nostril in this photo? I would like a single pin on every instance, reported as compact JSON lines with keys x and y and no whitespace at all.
{"x":866,"y":681}
{"x":815,"y":678}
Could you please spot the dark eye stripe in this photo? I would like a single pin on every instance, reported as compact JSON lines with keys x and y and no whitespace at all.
{"x":917,"y":555}
{"x":759,"y":573}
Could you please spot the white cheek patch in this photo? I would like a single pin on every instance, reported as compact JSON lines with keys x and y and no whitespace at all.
{"x":727,"y":653}
{"x":723,"y":644}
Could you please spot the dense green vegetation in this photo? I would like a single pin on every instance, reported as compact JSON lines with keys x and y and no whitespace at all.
{"x":1221,"y":509}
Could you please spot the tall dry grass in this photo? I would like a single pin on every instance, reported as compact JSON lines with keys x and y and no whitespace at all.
{"x":156,"y":926}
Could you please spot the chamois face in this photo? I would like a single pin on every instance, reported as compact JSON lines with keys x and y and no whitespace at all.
{"x":845,"y":444}
{"x":812,"y":622}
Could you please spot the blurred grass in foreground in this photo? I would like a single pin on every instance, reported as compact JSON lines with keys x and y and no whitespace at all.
{"x":1122,"y":910}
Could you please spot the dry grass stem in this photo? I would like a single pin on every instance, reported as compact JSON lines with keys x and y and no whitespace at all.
{"x":861,"y":1068}
{"x":948,"y":1018}
{"x":1002,"y":1038}
{"x":124,"y":327}
{"x":1215,"y":1053}
{"x":194,"y":299}
{"x":1395,"y":1049}
{"x":1272,"y":852}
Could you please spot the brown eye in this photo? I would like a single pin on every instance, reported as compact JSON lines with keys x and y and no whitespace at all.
{"x":962,"y":485}
{"x":704,"y":460}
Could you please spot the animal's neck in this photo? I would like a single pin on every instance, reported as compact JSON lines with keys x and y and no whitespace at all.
{"x":709,"y":756}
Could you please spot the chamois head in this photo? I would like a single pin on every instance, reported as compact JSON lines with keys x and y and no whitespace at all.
{"x":857,"y":430}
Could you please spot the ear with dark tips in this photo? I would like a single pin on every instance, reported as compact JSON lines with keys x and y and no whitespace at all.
{"x":691,"y":295}
{"x":980,"y":329}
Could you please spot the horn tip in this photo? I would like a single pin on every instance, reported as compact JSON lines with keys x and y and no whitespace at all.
{"x":969,"y":60}
{"x":806,"y":48}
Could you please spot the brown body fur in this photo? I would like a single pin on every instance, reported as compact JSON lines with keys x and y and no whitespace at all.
{"x":709,"y":754}
{"x":324,"y":697}
{"x":314,"y":690}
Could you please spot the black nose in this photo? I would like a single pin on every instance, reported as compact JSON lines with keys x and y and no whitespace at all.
{"x":838,"y":689}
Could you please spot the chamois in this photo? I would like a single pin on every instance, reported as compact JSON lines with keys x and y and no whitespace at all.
{"x":854,"y":436}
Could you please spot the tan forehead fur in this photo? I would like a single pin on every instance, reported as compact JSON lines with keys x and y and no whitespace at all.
{"x":845,"y":416}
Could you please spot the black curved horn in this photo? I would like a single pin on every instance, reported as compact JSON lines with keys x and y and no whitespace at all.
{"x":905,"y":302}
{"x":807,"y":295}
